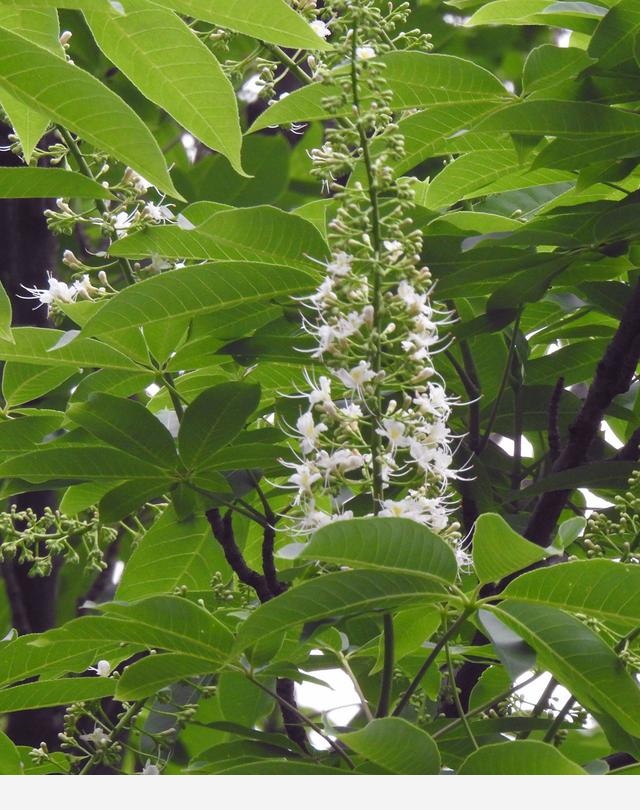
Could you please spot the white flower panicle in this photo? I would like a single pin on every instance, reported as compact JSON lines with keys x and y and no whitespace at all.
{"x":373,"y":437}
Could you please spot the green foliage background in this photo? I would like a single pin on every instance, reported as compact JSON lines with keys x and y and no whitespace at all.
{"x":523,"y":135}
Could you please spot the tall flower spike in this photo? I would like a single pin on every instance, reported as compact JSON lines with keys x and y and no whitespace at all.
{"x":374,"y":438}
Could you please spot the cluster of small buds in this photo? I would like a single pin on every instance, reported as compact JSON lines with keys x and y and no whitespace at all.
{"x":37,"y":539}
{"x":374,"y":432}
{"x":619,"y":536}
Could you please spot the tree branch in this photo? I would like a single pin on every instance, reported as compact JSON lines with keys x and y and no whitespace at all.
{"x":613,"y":377}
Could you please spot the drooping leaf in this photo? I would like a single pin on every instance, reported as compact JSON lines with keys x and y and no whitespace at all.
{"x":172,"y":67}
{"x":77,"y":100}
{"x":42,"y":694}
{"x":10,"y":763}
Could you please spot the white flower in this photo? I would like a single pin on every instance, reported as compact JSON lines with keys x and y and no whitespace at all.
{"x":351,"y":414}
{"x":340,"y":264}
{"x":433,"y":401}
{"x":309,"y":432}
{"x":321,"y":394}
{"x":342,"y":460}
{"x":150,"y":769}
{"x":356,"y":377}
{"x":365,"y":52}
{"x":305,"y":477}
{"x":312,"y":519}
{"x":406,"y":508}
{"x":394,"y":431}
{"x":158,"y":213}
{"x":416,"y":303}
{"x":97,"y":737}
{"x":251,"y":89}
{"x":321,"y":29}
{"x":102,"y":668}
{"x":59,"y":292}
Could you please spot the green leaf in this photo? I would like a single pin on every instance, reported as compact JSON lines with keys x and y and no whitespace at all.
{"x":515,"y":654}
{"x":81,"y":463}
{"x":42,"y":694}
{"x":270,"y":20}
{"x":24,"y":182}
{"x":336,"y":594}
{"x":569,"y":119}
{"x":37,"y":345}
{"x":171,"y":555}
{"x":167,"y":62}
{"x":169,"y":623}
{"x":246,"y":456}
{"x":21,"y":658}
{"x":214,"y":419}
{"x":241,"y":701}
{"x":41,"y":27}
{"x":147,"y":676}
{"x":615,"y":39}
{"x":5,"y":313}
{"x":416,"y":79}
{"x":126,"y":425}
{"x":129,"y":496}
{"x":498,"y":550}
{"x":80,"y":102}
{"x":597,"y":475}
{"x":578,"y":658}
{"x":196,"y":291}
{"x":576,"y":16}
{"x":387,"y":544}
{"x":10,"y":763}
{"x":265,"y":158}
{"x":281,"y":767}
{"x":396,"y":745}
{"x":522,"y":757}
{"x":20,"y":433}
{"x":548,"y":66}
{"x":260,"y":234}
{"x":23,"y":382}
{"x":575,"y":362}
{"x":603,"y":588}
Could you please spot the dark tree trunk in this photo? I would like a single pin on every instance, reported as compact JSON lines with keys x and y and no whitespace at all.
{"x":27,"y":252}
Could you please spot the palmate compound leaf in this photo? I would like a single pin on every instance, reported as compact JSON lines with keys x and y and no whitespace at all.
{"x":199,"y":290}
{"x":522,"y":757}
{"x":345,"y":592}
{"x":608,"y":590}
{"x":578,"y":658}
{"x":396,"y":745}
{"x":396,"y":544}
{"x":76,"y":99}
{"x":167,"y":62}
{"x":416,"y":79}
